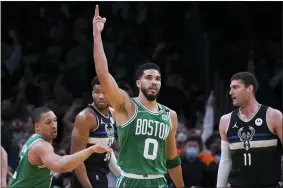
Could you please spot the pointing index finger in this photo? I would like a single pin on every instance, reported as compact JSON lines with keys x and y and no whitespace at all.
{"x":96,"y":12}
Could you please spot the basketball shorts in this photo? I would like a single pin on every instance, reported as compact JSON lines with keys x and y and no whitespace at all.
{"x":97,"y":180}
{"x":146,"y":182}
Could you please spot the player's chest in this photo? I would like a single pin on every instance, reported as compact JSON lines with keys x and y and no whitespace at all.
{"x":156,"y":128}
{"x":244,"y":131}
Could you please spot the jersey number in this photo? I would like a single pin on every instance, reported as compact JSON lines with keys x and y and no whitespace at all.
{"x":23,"y":151}
{"x":154,"y":143}
{"x":247,"y":159}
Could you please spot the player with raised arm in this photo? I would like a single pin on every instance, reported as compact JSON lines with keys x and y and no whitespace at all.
{"x":146,"y":129}
{"x":93,"y":125}
{"x":38,"y":159}
{"x":250,"y":139}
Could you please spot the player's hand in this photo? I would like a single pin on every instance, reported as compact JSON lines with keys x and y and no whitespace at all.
{"x":101,"y":148}
{"x":211,"y":99}
{"x":98,"y":22}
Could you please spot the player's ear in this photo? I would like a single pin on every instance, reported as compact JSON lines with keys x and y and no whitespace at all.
{"x":250,"y":88}
{"x":138,"y":82}
{"x":37,"y":127}
{"x":92,"y":94}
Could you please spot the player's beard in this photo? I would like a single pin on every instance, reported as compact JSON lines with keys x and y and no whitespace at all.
{"x":102,"y":107}
{"x":148,"y":96}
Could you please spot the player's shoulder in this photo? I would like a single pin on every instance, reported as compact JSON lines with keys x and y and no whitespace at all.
{"x":3,"y":152}
{"x":173,"y":115}
{"x":226,"y":117}
{"x":224,"y":121}
{"x":85,"y":115}
{"x":274,"y":114}
{"x":40,"y":146}
{"x":166,"y":108}
{"x":172,"y":112}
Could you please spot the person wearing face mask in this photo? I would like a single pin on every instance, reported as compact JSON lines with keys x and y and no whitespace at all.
{"x":193,"y":169}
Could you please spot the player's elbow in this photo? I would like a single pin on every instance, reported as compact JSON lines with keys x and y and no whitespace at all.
{"x":63,"y":168}
{"x":59,"y":166}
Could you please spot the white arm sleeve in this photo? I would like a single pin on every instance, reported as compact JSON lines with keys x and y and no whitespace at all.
{"x":224,"y":165}
{"x":207,"y":123}
{"x":113,"y":165}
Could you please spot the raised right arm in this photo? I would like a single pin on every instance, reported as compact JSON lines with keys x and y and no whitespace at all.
{"x":84,"y":123}
{"x":118,"y":98}
{"x":225,"y":161}
{"x":45,"y":153}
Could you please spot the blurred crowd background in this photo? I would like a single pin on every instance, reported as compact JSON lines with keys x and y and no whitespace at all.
{"x":46,"y":55}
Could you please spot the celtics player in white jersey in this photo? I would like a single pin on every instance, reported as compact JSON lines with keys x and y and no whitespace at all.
{"x":146,"y":129}
{"x":38,"y":159}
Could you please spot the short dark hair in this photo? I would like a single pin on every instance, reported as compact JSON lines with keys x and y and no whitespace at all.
{"x":195,"y":139}
{"x":146,"y":66}
{"x":94,"y":82}
{"x":36,"y":113}
{"x":247,"y":78}
{"x":211,"y":139}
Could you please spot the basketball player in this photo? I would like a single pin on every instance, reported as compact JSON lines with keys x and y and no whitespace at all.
{"x":95,"y":124}
{"x":38,"y":159}
{"x":4,"y":167}
{"x":250,"y":139}
{"x":146,"y":129}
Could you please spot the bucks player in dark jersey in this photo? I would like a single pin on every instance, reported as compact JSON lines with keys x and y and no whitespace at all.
{"x":251,"y":138}
{"x":146,"y":129}
{"x":38,"y":159}
{"x":95,"y":124}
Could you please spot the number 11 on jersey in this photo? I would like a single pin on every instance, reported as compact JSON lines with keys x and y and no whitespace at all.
{"x":247,"y":159}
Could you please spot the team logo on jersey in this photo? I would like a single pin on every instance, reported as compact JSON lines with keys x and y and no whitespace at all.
{"x":109,"y":129}
{"x":235,"y":125}
{"x":165,"y":117}
{"x":246,"y":136}
{"x":258,"y":122}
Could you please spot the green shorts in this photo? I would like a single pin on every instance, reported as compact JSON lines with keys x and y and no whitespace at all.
{"x":125,"y":182}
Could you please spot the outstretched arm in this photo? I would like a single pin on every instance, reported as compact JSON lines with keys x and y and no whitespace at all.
{"x":45,"y":152}
{"x":118,"y":98}
{"x":173,"y":161}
